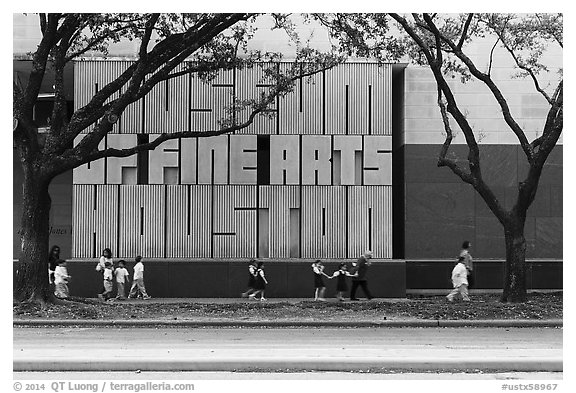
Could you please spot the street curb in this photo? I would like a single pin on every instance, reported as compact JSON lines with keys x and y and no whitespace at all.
{"x":504,"y":323}
{"x":323,"y":364}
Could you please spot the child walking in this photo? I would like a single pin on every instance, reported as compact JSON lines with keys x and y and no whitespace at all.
{"x":108,"y":281}
{"x":121,"y":274}
{"x":459,"y":282}
{"x":252,"y":268}
{"x":138,"y":281}
{"x":61,"y":278}
{"x":319,"y":286}
{"x":101,"y":266}
{"x":260,"y":284}
{"x":341,"y":285}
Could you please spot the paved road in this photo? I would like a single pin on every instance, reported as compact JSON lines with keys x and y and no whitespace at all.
{"x":318,"y":375}
{"x":210,"y":349}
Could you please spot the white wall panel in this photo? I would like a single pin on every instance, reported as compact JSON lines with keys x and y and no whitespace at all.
{"x":213,"y":147}
{"x":370,"y":221}
{"x":284,"y":159}
{"x":251,"y":83}
{"x":188,"y":160}
{"x":166,"y":105}
{"x":348,"y":147}
{"x":234,"y":221}
{"x":243,"y":159}
{"x":323,"y":222}
{"x":209,"y":101}
{"x":115,"y":165}
{"x":142,"y":221}
{"x":188,"y":221}
{"x":377,"y":160}
{"x":300,"y":111}
{"x":95,"y":220}
{"x":92,"y":172}
{"x":164,"y":156}
{"x":358,"y":99}
{"x":316,"y":156}
{"x":279,"y":200}
{"x":91,"y":76}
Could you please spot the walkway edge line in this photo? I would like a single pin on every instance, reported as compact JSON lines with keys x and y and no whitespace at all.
{"x":553,"y":323}
{"x":324,"y":364}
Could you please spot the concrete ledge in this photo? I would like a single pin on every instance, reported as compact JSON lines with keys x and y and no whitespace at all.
{"x":503,"y":323}
{"x":555,"y":323}
{"x":315,"y":364}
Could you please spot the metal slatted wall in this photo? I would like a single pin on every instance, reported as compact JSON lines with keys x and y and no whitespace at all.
{"x":192,"y":220}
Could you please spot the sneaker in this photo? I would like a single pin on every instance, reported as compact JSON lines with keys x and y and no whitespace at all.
{"x":252,"y":296}
{"x":263,"y":299}
{"x":100,"y":296}
{"x":146,"y":297}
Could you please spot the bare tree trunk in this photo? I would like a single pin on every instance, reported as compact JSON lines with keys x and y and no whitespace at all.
{"x":32,"y":270}
{"x":515,"y":265}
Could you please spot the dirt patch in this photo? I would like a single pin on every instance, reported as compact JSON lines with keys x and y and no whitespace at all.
{"x":538,"y":306}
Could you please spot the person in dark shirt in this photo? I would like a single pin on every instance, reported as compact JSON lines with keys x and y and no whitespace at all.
{"x":359,"y":278}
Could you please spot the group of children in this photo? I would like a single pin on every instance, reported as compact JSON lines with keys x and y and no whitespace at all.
{"x":462,"y":277}
{"x":59,"y":277}
{"x":120,"y":274}
{"x":257,"y":280}
{"x":340,"y":275}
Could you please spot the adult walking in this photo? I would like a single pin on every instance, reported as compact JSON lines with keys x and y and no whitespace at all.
{"x":359,"y":279}
{"x":465,"y":253}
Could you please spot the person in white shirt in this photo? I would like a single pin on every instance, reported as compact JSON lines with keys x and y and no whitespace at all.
{"x":101,"y":266}
{"x":121,"y":274}
{"x":108,"y":277}
{"x":138,"y":281}
{"x":459,"y":282}
{"x":61,"y":278}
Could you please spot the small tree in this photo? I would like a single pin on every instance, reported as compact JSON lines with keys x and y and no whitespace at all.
{"x":208,"y":43}
{"x":440,"y":42}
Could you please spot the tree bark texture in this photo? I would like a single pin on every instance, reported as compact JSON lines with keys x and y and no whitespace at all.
{"x":515,"y":265}
{"x":32,"y":269}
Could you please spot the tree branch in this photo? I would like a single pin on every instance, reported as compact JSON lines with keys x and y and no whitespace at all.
{"x":465,"y":31}
{"x":492,"y":57}
{"x":43,"y":23}
{"x":519,"y":64}
{"x":508,"y":118}
{"x":143,"y":51}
